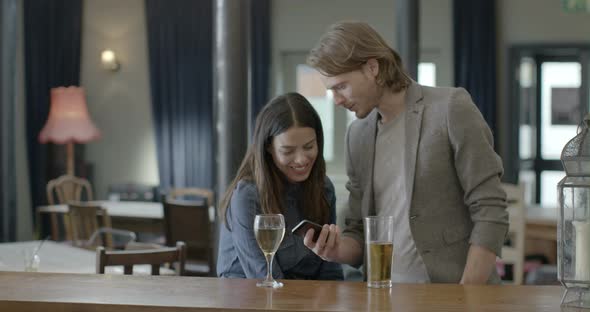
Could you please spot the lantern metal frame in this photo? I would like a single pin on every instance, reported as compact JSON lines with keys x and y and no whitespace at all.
{"x":575,"y":158}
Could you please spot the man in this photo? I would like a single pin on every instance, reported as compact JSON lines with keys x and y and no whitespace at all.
{"x":423,"y":155}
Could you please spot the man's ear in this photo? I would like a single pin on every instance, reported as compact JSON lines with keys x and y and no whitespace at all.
{"x":372,"y":67}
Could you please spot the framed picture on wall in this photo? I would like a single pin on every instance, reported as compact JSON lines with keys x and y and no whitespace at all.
{"x":565,"y":106}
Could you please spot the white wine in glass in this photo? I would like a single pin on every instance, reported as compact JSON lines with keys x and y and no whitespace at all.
{"x":269,"y":230}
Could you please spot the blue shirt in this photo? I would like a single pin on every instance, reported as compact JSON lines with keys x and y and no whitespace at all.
{"x":239,"y":255}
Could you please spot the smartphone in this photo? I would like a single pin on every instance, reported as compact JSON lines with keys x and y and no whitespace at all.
{"x":301,"y":229}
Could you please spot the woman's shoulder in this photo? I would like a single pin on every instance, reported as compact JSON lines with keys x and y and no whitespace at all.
{"x":245,"y":185}
{"x":245,"y":189}
{"x":244,"y":198}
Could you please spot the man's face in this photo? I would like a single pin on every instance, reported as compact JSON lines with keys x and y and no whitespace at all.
{"x":356,"y":91}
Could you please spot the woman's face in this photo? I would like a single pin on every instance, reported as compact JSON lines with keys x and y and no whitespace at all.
{"x":294,"y":152}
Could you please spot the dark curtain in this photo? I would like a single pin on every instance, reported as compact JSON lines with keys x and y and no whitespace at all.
{"x":475,"y":53}
{"x":260,"y":54}
{"x":8,"y":204}
{"x":180,"y":43}
{"x":52,"y":58}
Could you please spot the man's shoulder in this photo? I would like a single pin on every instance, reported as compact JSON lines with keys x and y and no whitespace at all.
{"x":447,"y":95}
{"x":445,"y":100}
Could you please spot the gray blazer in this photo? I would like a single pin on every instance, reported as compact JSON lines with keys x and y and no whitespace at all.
{"x":452,"y":177}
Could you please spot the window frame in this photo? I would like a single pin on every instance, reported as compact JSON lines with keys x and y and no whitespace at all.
{"x":540,"y":54}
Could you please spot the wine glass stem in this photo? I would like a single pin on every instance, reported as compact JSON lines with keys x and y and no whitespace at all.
{"x":269,"y":258}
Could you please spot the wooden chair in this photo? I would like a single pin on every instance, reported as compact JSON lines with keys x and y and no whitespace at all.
{"x":194,"y":194}
{"x":190,"y":193}
{"x":514,"y":253}
{"x":62,"y":190}
{"x":189,"y":222}
{"x":154,"y":257}
{"x":68,"y":188}
{"x":85,"y":231}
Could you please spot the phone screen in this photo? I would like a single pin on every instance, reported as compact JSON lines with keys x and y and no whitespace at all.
{"x":303,"y":226}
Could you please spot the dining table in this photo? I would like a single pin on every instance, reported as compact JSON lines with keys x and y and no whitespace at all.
{"x":137,"y":216}
{"x":56,"y":257}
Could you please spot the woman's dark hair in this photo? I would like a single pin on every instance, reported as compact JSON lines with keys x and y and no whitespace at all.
{"x":277,"y":116}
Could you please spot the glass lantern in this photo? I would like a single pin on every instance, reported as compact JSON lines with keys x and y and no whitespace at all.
{"x":573,"y":228}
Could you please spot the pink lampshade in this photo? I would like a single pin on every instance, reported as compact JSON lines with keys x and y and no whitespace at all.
{"x":68,"y":119}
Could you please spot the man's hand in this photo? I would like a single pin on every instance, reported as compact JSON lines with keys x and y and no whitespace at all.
{"x":333,"y":247}
{"x":480,"y":264}
{"x":326,"y":247}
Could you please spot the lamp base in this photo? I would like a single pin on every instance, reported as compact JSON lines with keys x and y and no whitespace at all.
{"x":577,"y":297}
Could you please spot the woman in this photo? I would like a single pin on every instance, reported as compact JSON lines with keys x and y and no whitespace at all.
{"x":283,"y":172}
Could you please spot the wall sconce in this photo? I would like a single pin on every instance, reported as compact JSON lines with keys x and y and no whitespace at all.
{"x":109,"y":60}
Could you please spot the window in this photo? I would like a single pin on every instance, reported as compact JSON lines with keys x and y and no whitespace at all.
{"x":560,"y":105}
{"x":551,"y":95}
{"x":427,"y":74}
{"x":310,"y":86}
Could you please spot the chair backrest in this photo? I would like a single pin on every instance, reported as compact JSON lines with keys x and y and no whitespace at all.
{"x":189,"y":222}
{"x":514,"y":252}
{"x":154,"y":257}
{"x":190,"y":192}
{"x":84,"y":222}
{"x":68,"y":188}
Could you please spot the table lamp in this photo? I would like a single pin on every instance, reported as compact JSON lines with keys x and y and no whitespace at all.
{"x":68,"y":122}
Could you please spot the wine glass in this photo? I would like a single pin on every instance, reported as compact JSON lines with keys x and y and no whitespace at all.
{"x":269,"y":230}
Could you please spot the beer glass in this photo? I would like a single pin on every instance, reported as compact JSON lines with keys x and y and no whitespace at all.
{"x":379,"y":250}
{"x":269,"y":230}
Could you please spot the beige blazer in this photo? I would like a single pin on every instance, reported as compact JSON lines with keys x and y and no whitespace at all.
{"x":452,"y":177}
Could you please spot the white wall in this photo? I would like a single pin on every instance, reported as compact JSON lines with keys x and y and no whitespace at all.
{"x":297,"y":25}
{"x":525,"y":21}
{"x":119,"y":102}
{"x":436,"y":38}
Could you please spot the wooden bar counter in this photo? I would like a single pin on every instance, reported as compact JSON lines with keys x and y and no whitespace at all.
{"x":20,"y":291}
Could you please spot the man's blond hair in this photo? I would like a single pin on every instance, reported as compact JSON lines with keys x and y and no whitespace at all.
{"x":346,"y":46}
